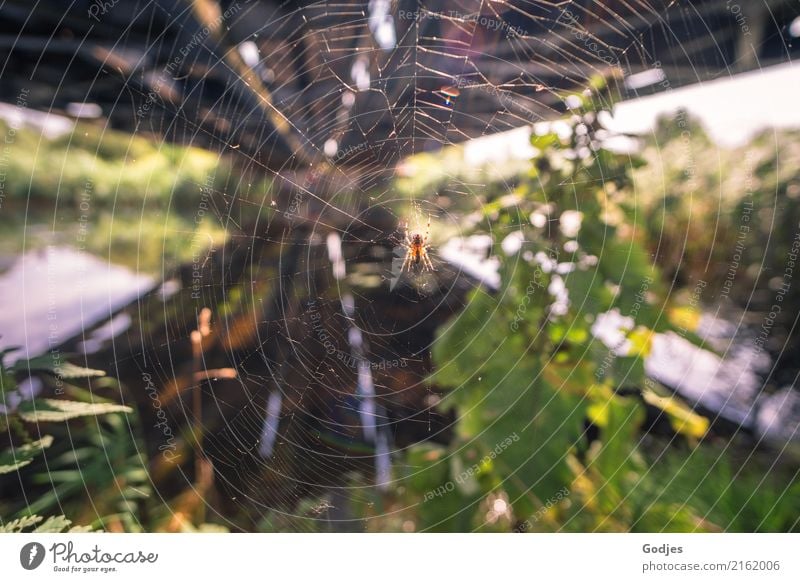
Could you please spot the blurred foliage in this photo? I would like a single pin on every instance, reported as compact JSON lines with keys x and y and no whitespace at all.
{"x":37,"y":524}
{"x":114,"y":168}
{"x":693,"y":194}
{"x":56,"y":473}
{"x":729,"y":217}
{"x":126,"y":197}
{"x":527,"y":363}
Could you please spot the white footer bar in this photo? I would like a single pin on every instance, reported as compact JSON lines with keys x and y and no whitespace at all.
{"x":400,"y":557}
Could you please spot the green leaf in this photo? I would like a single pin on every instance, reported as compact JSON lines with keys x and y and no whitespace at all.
{"x":15,"y":458}
{"x":53,"y":524}
{"x":56,"y":367}
{"x":683,"y":419}
{"x":18,"y":525}
{"x":7,"y":384}
{"x":49,"y":410}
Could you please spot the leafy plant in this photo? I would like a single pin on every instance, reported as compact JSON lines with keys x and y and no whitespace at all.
{"x":66,"y":470}
{"x":131,"y":199}
{"x":555,"y":357}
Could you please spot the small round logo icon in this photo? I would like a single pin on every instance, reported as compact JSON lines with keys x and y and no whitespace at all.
{"x":31,"y":555}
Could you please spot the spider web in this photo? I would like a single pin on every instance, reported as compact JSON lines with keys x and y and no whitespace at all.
{"x":379,"y":88}
{"x":375,"y":86}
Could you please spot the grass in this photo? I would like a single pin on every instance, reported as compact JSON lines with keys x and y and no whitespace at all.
{"x":120,"y":196}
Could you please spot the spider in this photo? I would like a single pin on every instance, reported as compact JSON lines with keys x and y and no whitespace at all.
{"x":416,"y":247}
